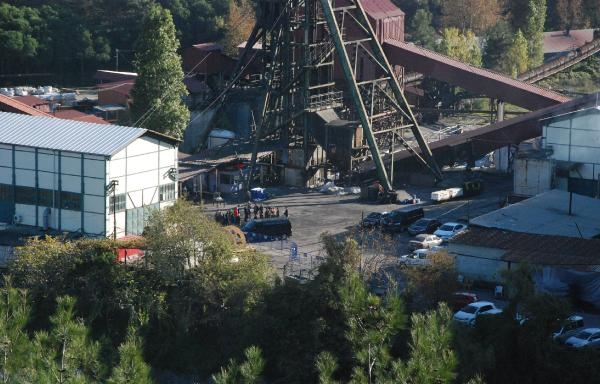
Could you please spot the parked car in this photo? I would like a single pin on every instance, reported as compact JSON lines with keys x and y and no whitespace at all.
{"x":400,"y":219}
{"x":449,"y":230}
{"x":567,"y":328}
{"x":418,"y":257}
{"x":373,"y":219}
{"x":462,"y":299}
{"x":583,"y":338}
{"x":424,"y":241}
{"x":468,"y":314}
{"x":424,"y":225}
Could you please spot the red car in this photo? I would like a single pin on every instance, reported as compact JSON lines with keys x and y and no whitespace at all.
{"x":462,"y":299}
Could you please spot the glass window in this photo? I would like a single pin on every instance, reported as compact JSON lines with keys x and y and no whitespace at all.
{"x":118,"y":203}
{"x":70,"y":201}
{"x":45,"y":197}
{"x":167,"y":192}
{"x":6,"y":192}
{"x":25,"y":195}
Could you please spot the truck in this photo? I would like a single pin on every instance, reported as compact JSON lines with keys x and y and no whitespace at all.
{"x":468,"y":188}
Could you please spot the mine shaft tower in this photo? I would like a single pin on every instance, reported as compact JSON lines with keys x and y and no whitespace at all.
{"x":323,"y":54}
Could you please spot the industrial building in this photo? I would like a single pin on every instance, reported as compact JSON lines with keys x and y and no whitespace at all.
{"x":73,"y":176}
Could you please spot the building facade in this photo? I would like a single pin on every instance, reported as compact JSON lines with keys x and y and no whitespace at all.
{"x":94,"y":179}
{"x":573,"y":139}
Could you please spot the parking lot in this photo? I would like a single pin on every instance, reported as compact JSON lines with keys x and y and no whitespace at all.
{"x":313,"y":213}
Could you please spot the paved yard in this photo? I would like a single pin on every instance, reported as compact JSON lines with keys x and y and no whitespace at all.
{"x":313,"y":213}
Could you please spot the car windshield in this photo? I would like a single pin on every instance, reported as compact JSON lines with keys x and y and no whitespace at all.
{"x":584,"y":335}
{"x":469,"y":309}
{"x":248,"y":227}
{"x":373,"y":215}
{"x":447,"y":227}
{"x":421,"y":223}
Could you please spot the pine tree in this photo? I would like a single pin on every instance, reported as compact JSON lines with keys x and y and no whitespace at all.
{"x":249,"y":372}
{"x":132,"y":368}
{"x":516,"y":59}
{"x":14,"y":343}
{"x":159,"y":89}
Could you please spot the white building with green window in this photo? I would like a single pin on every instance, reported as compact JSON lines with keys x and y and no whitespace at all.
{"x":72,"y":176}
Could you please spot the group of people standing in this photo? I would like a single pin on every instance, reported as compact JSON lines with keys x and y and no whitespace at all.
{"x":233,"y":216}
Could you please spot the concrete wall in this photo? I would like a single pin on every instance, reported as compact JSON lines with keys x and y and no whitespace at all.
{"x":478,"y":263}
{"x":532,"y":176}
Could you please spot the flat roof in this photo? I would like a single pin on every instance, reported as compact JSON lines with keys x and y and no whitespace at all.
{"x":547,"y":214}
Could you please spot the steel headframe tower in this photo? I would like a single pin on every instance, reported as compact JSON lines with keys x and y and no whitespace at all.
{"x":300,"y":40}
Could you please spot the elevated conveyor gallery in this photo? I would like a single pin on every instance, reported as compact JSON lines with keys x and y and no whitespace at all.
{"x":476,"y":80}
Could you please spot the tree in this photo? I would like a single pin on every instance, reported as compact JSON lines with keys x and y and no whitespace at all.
{"x":373,"y":323}
{"x":497,"y":42}
{"x":529,"y":16}
{"x":158,"y":90}
{"x":249,"y":372}
{"x":132,"y":369}
{"x":66,"y":354}
{"x":15,"y":346}
{"x":432,"y":358}
{"x":422,"y":32}
{"x":470,"y":15}
{"x":516,"y":59}
{"x":238,"y":25}
{"x":460,"y":45}
{"x":570,"y":14}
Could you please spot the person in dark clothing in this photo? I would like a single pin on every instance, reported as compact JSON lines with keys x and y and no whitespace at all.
{"x":277,"y":212}
{"x":285,"y":213}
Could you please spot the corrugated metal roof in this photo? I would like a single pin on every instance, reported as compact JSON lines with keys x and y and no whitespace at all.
{"x":12,"y":105}
{"x":65,"y":135}
{"x":381,"y":9}
{"x":534,"y":249}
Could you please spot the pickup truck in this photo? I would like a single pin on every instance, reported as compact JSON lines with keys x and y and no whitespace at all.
{"x":468,"y":314}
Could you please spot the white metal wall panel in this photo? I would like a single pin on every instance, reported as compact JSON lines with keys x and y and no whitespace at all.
{"x":586,"y":138}
{"x":5,"y":156}
{"x":71,"y":183}
{"x":143,"y":180}
{"x":24,"y":158}
{"x":95,"y":167}
{"x":585,"y":171}
{"x":585,"y":154}
{"x":70,"y":220}
{"x":142,"y":163}
{"x":70,"y":164}
{"x":560,"y":152}
{"x":46,"y":180}
{"x":47,"y":162}
{"x":26,"y":212}
{"x":589,"y":121}
{"x":94,"y":186}
{"x":566,"y":123}
{"x":117,"y":168}
{"x":94,"y":223}
{"x":557,"y":136}
{"x":5,"y":175}
{"x":93,"y":204}
{"x":168,"y":158}
{"x":134,"y":199}
{"x":151,"y":195}
{"x":25,"y":177}
{"x":142,"y":146}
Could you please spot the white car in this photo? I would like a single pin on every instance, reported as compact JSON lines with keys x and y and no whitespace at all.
{"x":449,"y":230}
{"x":424,"y":241}
{"x":584,"y":337}
{"x":469,"y":313}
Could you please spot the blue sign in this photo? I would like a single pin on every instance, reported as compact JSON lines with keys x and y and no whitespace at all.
{"x":294,"y":252}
